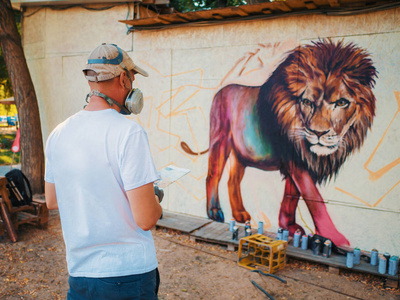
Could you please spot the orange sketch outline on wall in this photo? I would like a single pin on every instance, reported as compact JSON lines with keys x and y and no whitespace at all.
{"x":373,"y":176}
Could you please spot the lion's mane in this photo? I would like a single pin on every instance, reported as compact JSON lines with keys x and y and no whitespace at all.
{"x":278,"y":102}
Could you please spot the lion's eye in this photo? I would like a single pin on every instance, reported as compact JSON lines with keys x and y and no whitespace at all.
{"x":342,"y":102}
{"x":307,"y":102}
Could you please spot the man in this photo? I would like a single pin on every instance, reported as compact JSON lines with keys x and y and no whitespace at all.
{"x":100,"y":174}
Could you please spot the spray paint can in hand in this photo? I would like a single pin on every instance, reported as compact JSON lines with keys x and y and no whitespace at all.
{"x":382,"y":264}
{"x":374,"y":257}
{"x":285,"y":235}
{"x":350,"y":259}
{"x":231,"y":225}
{"x":317,"y":247}
{"x":357,"y":256}
{"x":393,"y":265}
{"x":279,"y":236}
{"x":235,"y":234}
{"x":304,"y":242}
{"x":260,"y":229}
{"x":296,"y":239}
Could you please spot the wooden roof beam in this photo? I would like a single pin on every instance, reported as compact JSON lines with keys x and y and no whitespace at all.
{"x":217,"y":16}
{"x":163,"y":20}
{"x":334,"y":3}
{"x":239,"y":11}
{"x":181,"y":18}
{"x":266,"y":11}
{"x":283,"y":6}
{"x":310,"y":4}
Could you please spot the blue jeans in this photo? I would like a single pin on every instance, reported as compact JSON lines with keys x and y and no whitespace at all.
{"x":141,"y":286}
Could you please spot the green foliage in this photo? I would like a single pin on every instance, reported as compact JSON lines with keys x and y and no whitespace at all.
{"x":5,"y":83}
{"x":193,"y":5}
{"x":8,"y":110}
{"x":6,"y":141}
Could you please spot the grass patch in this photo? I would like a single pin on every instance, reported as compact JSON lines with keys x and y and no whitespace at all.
{"x":6,"y":141}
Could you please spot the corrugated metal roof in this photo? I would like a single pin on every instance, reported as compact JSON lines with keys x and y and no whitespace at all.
{"x":259,"y":11}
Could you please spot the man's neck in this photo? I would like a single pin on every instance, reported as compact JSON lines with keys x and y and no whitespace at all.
{"x":97,"y":103}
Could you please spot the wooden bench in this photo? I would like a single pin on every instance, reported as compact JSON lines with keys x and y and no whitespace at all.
{"x":36,"y":214}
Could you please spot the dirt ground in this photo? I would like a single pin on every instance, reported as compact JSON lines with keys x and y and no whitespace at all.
{"x":35,"y":268}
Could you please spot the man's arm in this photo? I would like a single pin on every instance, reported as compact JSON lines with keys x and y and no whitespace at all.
{"x":145,"y":206}
{"x":50,"y":193}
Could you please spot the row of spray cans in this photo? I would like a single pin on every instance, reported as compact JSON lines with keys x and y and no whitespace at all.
{"x":318,"y":248}
{"x":247,"y":229}
{"x":304,"y":241}
{"x":386,"y":263}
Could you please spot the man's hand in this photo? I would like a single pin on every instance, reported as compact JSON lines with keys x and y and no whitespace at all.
{"x":146,"y":210}
{"x":159,"y":193}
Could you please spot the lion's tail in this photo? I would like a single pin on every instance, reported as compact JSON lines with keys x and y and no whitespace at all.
{"x":187,"y":149}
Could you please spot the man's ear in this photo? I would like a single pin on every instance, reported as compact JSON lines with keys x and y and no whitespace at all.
{"x":123,"y":79}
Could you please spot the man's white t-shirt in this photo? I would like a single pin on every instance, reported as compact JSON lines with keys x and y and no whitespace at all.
{"x":93,"y":158}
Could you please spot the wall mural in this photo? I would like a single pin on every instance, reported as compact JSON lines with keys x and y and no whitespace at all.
{"x":311,"y":114}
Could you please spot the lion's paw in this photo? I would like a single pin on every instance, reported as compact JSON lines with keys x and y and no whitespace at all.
{"x":293,"y":228}
{"x":241,"y":216}
{"x":216,"y":214}
{"x":336,"y":237}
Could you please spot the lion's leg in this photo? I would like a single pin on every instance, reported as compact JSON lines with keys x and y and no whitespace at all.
{"x":219,"y":152}
{"x":315,"y":203}
{"x":236,"y":173}
{"x":287,"y":213}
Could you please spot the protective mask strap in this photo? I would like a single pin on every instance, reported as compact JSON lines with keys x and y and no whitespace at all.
{"x":109,"y":100}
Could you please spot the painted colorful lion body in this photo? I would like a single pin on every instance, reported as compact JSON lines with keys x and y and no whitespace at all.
{"x":308,"y":117}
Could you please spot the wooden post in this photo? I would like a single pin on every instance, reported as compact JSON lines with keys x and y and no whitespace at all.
{"x":8,"y":224}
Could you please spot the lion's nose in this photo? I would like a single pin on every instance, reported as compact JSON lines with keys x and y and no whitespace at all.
{"x":319,"y":133}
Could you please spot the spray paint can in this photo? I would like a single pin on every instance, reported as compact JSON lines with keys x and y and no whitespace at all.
{"x":374,"y":257}
{"x":235,"y":234}
{"x":357,"y":256}
{"x":393,"y":265}
{"x":260,"y":229}
{"x":247,"y":232}
{"x":279,"y":235}
{"x":387,"y":256}
{"x":296,"y":239}
{"x":285,"y":235}
{"x":317,"y":247}
{"x":382,"y":264}
{"x":327,"y":249}
{"x":310,"y":239}
{"x":350,"y":259}
{"x":247,"y":228}
{"x":231,"y":225}
{"x":304,"y":242}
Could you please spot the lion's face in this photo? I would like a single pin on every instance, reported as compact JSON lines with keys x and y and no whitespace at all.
{"x":323,"y":102}
{"x":327,"y":111}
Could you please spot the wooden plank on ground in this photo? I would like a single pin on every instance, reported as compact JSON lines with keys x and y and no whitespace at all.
{"x":218,"y":233}
{"x":203,"y":229}
{"x":335,"y":260}
{"x":181,"y":222}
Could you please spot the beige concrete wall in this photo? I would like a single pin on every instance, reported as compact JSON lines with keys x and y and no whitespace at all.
{"x":189,"y":65}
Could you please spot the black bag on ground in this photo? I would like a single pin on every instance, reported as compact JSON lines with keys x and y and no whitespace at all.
{"x":19,"y":188}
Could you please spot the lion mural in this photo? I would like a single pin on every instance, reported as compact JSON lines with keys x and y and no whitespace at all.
{"x":305,"y":120}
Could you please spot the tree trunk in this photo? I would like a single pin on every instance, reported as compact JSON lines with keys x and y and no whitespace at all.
{"x":32,"y":157}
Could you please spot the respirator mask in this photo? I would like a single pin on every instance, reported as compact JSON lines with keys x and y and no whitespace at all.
{"x":134,"y":100}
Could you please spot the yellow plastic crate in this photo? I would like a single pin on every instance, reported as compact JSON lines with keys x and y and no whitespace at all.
{"x":259,"y":252}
